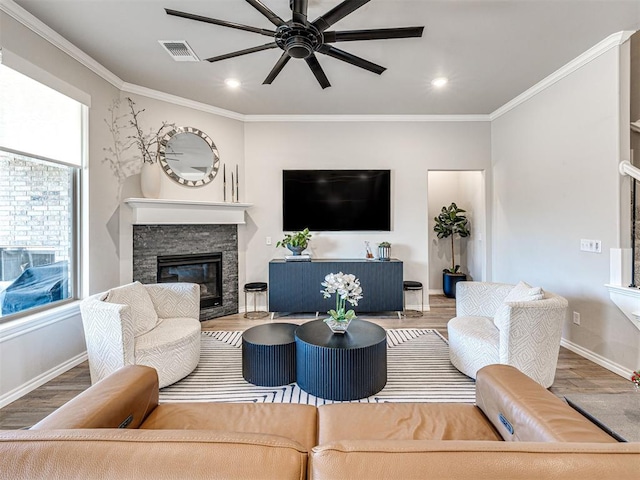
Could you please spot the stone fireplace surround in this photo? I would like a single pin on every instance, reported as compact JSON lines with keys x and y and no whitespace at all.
{"x":151,"y":241}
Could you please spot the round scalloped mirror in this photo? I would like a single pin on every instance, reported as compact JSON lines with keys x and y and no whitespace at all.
{"x":189,"y":157}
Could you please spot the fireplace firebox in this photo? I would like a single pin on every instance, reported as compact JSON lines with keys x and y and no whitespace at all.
{"x":203,"y":269}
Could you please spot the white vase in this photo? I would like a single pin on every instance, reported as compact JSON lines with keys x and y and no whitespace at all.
{"x":150,"y":180}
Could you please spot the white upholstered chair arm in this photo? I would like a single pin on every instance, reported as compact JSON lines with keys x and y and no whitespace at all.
{"x":530,"y":334}
{"x":109,"y":334}
{"x":172,"y":300}
{"x":480,"y":299}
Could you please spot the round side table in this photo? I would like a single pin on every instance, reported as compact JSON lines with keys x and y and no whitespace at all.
{"x":341,"y":367}
{"x":269,"y":354}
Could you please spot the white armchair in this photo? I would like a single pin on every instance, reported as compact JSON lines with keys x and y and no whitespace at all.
{"x":489,"y":330}
{"x":154,"y":325}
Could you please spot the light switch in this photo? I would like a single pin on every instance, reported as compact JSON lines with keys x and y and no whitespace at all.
{"x":593,"y":246}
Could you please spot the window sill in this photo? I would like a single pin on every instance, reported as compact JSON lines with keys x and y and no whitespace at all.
{"x":37,"y":320}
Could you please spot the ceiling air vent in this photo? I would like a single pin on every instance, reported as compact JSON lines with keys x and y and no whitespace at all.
{"x":179,"y":50}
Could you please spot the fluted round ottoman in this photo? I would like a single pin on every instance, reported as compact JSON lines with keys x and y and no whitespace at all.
{"x":269,"y":354}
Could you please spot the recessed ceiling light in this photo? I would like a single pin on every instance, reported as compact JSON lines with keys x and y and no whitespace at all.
{"x":232,"y":83}
{"x":439,"y":82}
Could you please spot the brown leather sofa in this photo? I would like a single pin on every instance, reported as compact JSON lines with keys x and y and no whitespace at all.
{"x":116,"y":429}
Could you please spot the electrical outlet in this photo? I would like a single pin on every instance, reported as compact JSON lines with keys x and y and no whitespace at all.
{"x":576,"y":318}
{"x":268,"y":240}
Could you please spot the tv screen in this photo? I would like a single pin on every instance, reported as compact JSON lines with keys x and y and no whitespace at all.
{"x":333,"y":200}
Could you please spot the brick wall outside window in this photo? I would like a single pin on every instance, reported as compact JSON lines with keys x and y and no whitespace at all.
{"x":35,"y":210}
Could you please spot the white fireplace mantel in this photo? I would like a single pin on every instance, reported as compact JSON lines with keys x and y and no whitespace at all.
{"x":151,"y":211}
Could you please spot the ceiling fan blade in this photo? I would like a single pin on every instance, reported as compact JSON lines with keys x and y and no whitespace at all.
{"x":277,"y":68}
{"x":300,"y":11}
{"x":349,"y":58}
{"x":373,"y":34}
{"x":246,"y":51}
{"x":264,"y":10}
{"x":337,"y":13}
{"x":315,"y":67}
{"x":222,"y":23}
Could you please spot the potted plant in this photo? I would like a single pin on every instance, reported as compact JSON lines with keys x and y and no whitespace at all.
{"x":449,"y":223}
{"x":296,"y":242}
{"x":384,"y":251}
{"x":347,"y":289}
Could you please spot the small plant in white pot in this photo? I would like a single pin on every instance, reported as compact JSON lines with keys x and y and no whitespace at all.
{"x":451,"y":222}
{"x":384,"y":251}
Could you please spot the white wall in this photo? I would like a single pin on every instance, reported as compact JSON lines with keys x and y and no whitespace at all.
{"x":467,"y":190}
{"x":474,"y":194}
{"x":408,"y":149}
{"x":556,"y":181}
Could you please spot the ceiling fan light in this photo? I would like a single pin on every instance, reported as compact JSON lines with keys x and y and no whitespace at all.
{"x":439,"y":82}
{"x":232,"y":83}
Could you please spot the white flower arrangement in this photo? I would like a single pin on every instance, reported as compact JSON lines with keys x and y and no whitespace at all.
{"x":347,"y":289}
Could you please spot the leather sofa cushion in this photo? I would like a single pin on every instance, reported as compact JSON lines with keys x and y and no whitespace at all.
{"x":455,"y":460}
{"x":293,"y":421}
{"x":148,"y":455}
{"x":523,"y":411}
{"x":403,"y":421}
{"x":120,"y":400}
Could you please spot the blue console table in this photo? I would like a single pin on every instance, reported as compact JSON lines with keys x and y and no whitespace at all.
{"x":296,"y":286}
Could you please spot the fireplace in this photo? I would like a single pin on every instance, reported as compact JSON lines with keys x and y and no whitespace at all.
{"x":203,"y":269}
{"x":190,"y":241}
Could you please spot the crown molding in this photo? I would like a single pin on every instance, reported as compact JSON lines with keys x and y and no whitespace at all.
{"x":25,"y":18}
{"x":38,"y":27}
{"x":366,"y":118}
{"x":184,"y":102}
{"x":32,"y":23}
{"x":594,"y":52}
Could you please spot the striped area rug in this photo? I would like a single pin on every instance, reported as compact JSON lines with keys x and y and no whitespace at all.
{"x":418,"y":370}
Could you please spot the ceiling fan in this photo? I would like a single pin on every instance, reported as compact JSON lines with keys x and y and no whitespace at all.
{"x":299,"y":38}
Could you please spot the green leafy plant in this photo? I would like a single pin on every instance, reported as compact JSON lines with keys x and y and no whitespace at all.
{"x":296,"y":239}
{"x":384,"y":244}
{"x":449,"y":223}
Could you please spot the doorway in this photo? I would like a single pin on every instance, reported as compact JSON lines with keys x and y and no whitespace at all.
{"x":467,"y":190}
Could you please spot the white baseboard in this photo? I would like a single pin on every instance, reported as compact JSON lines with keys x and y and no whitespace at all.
{"x":436,"y":292}
{"x":598,"y":359}
{"x":41,"y":379}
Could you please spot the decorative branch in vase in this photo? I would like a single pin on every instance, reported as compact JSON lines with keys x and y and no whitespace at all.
{"x":121,"y":164}
{"x":146,"y":141}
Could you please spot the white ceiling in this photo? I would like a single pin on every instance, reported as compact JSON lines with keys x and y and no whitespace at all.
{"x":491,"y":51}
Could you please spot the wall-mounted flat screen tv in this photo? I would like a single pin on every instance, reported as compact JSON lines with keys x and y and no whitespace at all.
{"x":336,"y":200}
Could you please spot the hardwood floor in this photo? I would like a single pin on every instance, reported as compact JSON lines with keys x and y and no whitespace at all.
{"x":574,"y":374}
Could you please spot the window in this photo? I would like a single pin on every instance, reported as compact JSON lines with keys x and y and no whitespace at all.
{"x":40,"y":152}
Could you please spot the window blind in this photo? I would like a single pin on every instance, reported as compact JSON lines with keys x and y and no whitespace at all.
{"x":38,"y":120}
